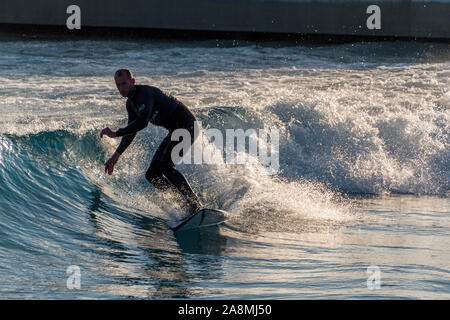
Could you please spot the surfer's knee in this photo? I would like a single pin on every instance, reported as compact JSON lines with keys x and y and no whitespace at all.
{"x":153,"y":175}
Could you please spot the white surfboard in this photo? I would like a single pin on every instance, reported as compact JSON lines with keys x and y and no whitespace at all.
{"x":203,"y":218}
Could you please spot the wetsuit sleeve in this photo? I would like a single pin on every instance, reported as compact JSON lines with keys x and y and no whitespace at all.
{"x":140,"y":122}
{"x":126,"y":139}
{"x":125,"y":142}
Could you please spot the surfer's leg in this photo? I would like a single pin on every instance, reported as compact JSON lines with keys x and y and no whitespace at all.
{"x":163,"y":175}
{"x":154,"y":173}
{"x":175,"y":176}
{"x":159,"y":181}
{"x":180,"y":182}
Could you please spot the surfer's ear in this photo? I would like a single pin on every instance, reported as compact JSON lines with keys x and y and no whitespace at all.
{"x":133,"y":81}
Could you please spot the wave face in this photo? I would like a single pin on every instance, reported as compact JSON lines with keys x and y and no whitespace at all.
{"x":367,"y":118}
{"x":358,"y":118}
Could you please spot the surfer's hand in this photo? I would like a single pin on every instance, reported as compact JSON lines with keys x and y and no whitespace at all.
{"x":107,"y":131}
{"x":109,"y":165}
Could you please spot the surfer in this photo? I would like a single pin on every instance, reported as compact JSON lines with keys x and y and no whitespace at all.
{"x":149,"y":104}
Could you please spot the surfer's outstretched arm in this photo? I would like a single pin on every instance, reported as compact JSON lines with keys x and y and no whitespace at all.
{"x":128,"y":133}
{"x":126,"y":141}
{"x":109,"y":165}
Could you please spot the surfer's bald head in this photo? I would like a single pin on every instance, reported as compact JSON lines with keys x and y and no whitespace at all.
{"x":122,"y":72}
{"x":124,"y":81}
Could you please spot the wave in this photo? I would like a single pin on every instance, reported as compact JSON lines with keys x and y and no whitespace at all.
{"x":362,"y":150}
{"x":65,"y":169}
{"x":50,"y":179}
{"x":356,"y":149}
{"x":323,"y":152}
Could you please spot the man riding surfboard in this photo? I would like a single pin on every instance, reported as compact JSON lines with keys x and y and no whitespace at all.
{"x":149,"y":104}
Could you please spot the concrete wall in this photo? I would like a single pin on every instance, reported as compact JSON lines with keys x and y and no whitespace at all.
{"x":402,"y":18}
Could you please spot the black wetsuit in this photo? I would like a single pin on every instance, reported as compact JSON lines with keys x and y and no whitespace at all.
{"x":149,"y":104}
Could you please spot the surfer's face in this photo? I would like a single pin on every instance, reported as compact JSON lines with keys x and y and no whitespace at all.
{"x":124,"y":84}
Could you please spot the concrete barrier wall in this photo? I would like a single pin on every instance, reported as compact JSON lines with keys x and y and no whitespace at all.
{"x":402,"y":18}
